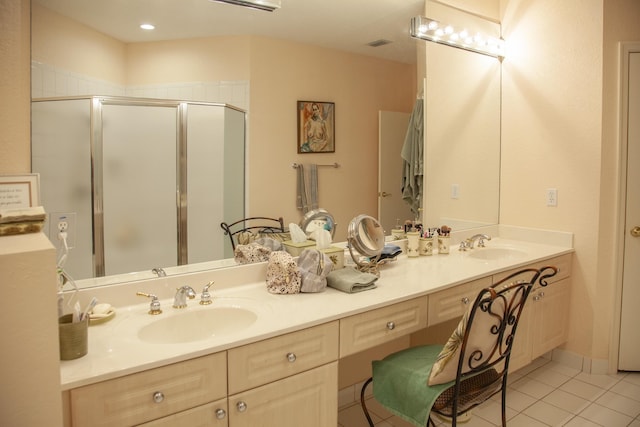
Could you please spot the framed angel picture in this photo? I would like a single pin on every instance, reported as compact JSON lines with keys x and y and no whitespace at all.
{"x":316,"y":127}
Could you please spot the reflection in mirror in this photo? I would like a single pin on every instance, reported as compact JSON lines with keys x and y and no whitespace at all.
{"x":61,"y":46}
{"x":366,"y":236}
{"x":318,"y":219}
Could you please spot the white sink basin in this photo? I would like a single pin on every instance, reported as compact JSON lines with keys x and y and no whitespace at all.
{"x":496,"y":253}
{"x":197,"y":324}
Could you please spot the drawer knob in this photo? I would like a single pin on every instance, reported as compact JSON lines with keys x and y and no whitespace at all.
{"x":158,"y":396}
{"x":391,"y":326}
{"x":241,"y":406}
{"x":536,"y":297}
{"x":465,"y":300}
{"x":291,"y":357}
{"x":220,"y":414}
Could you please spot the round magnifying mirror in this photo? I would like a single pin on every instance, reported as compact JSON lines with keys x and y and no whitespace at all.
{"x":318,"y":219}
{"x":366,"y":236}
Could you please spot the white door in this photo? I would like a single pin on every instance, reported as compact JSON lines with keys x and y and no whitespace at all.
{"x":629,"y":354}
{"x":392,"y":128}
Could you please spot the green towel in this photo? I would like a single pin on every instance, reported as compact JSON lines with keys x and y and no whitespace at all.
{"x":400,"y":383}
{"x":350,"y":280}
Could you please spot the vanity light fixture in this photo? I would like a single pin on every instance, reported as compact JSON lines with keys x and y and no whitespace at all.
{"x":431,"y":30}
{"x":266,"y":5}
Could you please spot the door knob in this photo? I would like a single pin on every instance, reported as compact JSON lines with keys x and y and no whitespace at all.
{"x":385,"y":194}
{"x":635,"y":231}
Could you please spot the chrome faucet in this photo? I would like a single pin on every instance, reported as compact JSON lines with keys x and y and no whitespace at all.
{"x":480,"y":238}
{"x":205,"y":297}
{"x":158,"y":271}
{"x":184,"y":292}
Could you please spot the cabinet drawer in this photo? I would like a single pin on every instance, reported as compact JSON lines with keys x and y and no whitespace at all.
{"x":453,"y":302}
{"x":269,"y":360}
{"x":208,"y":415}
{"x":563,"y":263}
{"x":375,"y":327}
{"x":130,"y":400}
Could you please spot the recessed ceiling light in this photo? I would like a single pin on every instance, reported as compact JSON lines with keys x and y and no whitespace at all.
{"x":147,"y":26}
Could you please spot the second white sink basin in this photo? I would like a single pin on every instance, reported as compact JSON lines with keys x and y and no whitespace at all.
{"x":196,"y":325}
{"x":496,"y":253}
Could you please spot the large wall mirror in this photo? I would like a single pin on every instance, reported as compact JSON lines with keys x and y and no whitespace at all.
{"x":104,"y":76}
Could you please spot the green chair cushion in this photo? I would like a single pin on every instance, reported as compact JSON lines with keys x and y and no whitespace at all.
{"x":400,"y":383}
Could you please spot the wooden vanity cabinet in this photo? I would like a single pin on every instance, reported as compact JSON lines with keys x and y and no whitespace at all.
{"x":544,"y":323}
{"x":153,"y":394}
{"x":286,"y":381}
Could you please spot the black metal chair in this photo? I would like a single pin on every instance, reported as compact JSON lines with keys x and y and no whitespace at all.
{"x":257,"y":225}
{"x":471,"y":367}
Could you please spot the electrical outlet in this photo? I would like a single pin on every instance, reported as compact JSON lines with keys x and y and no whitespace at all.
{"x":455,"y":191}
{"x":63,"y":225}
{"x":552,"y":197}
{"x":62,"y":222}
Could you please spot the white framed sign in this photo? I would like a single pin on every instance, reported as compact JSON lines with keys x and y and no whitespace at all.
{"x":19,"y":191}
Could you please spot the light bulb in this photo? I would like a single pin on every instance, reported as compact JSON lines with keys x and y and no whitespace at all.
{"x":448,"y":29}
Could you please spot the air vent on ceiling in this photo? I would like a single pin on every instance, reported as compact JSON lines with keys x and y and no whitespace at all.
{"x":268,"y":5}
{"x":379,"y":42}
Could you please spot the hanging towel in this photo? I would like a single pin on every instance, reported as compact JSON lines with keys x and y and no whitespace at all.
{"x":313,"y":186}
{"x":412,"y":158}
{"x":301,"y":196}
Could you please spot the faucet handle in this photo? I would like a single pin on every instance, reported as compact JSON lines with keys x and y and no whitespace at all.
{"x":205,"y":297}
{"x":154,"y":306}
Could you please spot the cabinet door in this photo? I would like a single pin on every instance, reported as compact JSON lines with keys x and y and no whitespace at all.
{"x":210,"y":415}
{"x":551,"y":317}
{"x":308,"y":399}
{"x":521,"y":350}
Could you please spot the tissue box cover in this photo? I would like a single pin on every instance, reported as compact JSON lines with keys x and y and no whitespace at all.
{"x":296,"y":249}
{"x":336,"y":255}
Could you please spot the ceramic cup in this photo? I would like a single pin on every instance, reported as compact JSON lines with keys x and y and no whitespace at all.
{"x":443,"y":244}
{"x":425,"y":246}
{"x":73,"y":337}
{"x":413,"y":243}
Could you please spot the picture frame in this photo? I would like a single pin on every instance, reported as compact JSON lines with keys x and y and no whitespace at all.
{"x":316,"y":127}
{"x":19,"y":191}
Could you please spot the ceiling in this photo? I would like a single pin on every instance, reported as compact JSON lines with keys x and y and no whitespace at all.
{"x":347,"y":25}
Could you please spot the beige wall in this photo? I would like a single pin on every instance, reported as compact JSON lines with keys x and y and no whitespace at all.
{"x":551,"y":135}
{"x":62,"y":42}
{"x":15,"y":87}
{"x":560,"y":129}
{"x":194,"y":60}
{"x":30,"y":392}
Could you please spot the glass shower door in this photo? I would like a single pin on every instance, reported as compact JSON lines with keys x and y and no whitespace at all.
{"x":139,"y":161}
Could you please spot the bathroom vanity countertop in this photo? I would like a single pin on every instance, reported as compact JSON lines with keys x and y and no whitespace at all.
{"x":115,"y":349}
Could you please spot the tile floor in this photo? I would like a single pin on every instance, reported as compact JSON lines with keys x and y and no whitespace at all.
{"x":545,"y":393}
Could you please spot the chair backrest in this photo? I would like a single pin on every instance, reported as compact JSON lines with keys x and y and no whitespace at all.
{"x":491,"y":324}
{"x":255,"y":225}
